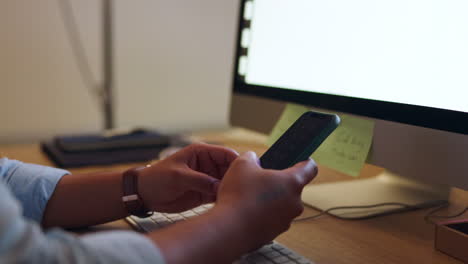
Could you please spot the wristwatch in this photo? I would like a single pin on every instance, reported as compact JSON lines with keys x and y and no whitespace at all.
{"x":131,"y":198}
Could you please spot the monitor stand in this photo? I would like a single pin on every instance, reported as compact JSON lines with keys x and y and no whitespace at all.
{"x":385,"y":188}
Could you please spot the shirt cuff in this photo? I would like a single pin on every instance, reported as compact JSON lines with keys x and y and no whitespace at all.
{"x":32,"y":185}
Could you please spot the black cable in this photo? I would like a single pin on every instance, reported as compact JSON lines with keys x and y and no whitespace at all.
{"x":430,"y":215}
{"x":404,"y":207}
{"x":71,"y":28}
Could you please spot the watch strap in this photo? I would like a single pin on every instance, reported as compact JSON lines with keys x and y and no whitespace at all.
{"x":131,"y":198}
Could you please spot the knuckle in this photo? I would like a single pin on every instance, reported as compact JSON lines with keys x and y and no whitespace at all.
{"x":194,"y":146}
{"x":295,"y":182}
{"x":237,"y":162}
{"x":241,"y":160}
{"x":178,"y":173}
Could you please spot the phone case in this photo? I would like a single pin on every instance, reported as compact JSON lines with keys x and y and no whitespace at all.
{"x":299,"y":142}
{"x":317,"y":141}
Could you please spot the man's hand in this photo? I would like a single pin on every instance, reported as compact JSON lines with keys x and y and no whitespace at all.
{"x":266,"y":200}
{"x":186,"y":179}
{"x":253,"y":206}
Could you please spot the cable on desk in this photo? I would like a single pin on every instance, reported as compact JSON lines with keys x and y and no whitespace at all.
{"x":404,"y":207}
{"x":430,"y":215}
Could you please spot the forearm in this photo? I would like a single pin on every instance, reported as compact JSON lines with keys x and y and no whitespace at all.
{"x":219,"y":236}
{"x":85,"y":199}
{"x":23,"y":241}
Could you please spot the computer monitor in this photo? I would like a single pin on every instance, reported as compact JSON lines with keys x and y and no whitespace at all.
{"x":403,"y":64}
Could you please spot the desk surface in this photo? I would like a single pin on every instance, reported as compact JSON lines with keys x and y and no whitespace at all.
{"x":397,"y":238}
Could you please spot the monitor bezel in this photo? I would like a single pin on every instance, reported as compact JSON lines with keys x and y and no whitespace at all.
{"x":429,"y":117}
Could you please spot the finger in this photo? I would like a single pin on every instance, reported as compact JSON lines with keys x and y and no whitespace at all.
{"x":305,"y":171}
{"x":248,"y":162}
{"x":216,"y":186}
{"x":186,"y":201}
{"x":220,"y":154}
{"x":198,"y":181}
{"x":213,"y":160}
{"x":251,"y":159}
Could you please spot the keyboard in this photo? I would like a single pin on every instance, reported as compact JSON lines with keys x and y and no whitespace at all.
{"x":273,"y":252}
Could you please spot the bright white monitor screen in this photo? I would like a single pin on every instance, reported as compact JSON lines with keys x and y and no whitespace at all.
{"x":405,"y":51}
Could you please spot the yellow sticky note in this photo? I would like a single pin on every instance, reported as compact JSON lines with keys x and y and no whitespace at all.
{"x":345,"y":150}
{"x":290,"y":114}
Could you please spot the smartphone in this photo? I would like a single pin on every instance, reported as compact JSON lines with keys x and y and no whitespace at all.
{"x":301,"y":140}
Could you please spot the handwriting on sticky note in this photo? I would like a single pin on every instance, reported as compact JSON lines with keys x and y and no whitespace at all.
{"x":345,"y":150}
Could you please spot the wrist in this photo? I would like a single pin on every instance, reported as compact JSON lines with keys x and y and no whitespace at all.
{"x":219,"y":235}
{"x":131,"y":198}
{"x":243,"y":224}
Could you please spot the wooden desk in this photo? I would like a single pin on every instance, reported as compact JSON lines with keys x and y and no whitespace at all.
{"x":399,"y":238}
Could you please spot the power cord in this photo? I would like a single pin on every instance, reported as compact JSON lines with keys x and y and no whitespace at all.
{"x":430,"y":215}
{"x":404,"y":207}
{"x":71,"y":28}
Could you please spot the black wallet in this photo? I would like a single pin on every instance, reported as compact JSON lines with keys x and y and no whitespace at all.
{"x":70,"y":151}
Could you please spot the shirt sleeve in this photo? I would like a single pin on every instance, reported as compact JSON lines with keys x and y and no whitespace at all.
{"x":32,"y":185}
{"x":23,"y":241}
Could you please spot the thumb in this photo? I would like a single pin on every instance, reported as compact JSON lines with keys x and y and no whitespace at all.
{"x":305,"y":171}
{"x":250,"y":157}
{"x":200,"y":182}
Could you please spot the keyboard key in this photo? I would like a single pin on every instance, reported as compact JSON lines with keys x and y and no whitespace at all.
{"x":281,"y":260}
{"x":303,"y":261}
{"x":158,"y":218}
{"x":272,"y":254}
{"x":265,"y":249}
{"x":208,"y":206}
{"x":147,"y":224}
{"x":165,"y":222}
{"x":276,"y":246}
{"x":170,"y":216}
{"x":188,"y":214}
{"x":176,"y":217}
{"x":293,"y":255}
{"x":285,"y":251}
{"x":199,"y":210}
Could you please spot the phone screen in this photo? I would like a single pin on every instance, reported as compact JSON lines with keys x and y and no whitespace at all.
{"x":299,"y":141}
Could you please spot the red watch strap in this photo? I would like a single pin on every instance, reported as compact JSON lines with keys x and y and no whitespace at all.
{"x":131,"y":197}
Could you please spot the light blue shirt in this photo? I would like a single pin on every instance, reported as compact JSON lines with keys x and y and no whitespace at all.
{"x":24,"y":192}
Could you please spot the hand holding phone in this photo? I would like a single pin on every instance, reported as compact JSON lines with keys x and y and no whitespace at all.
{"x":300,"y":140}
